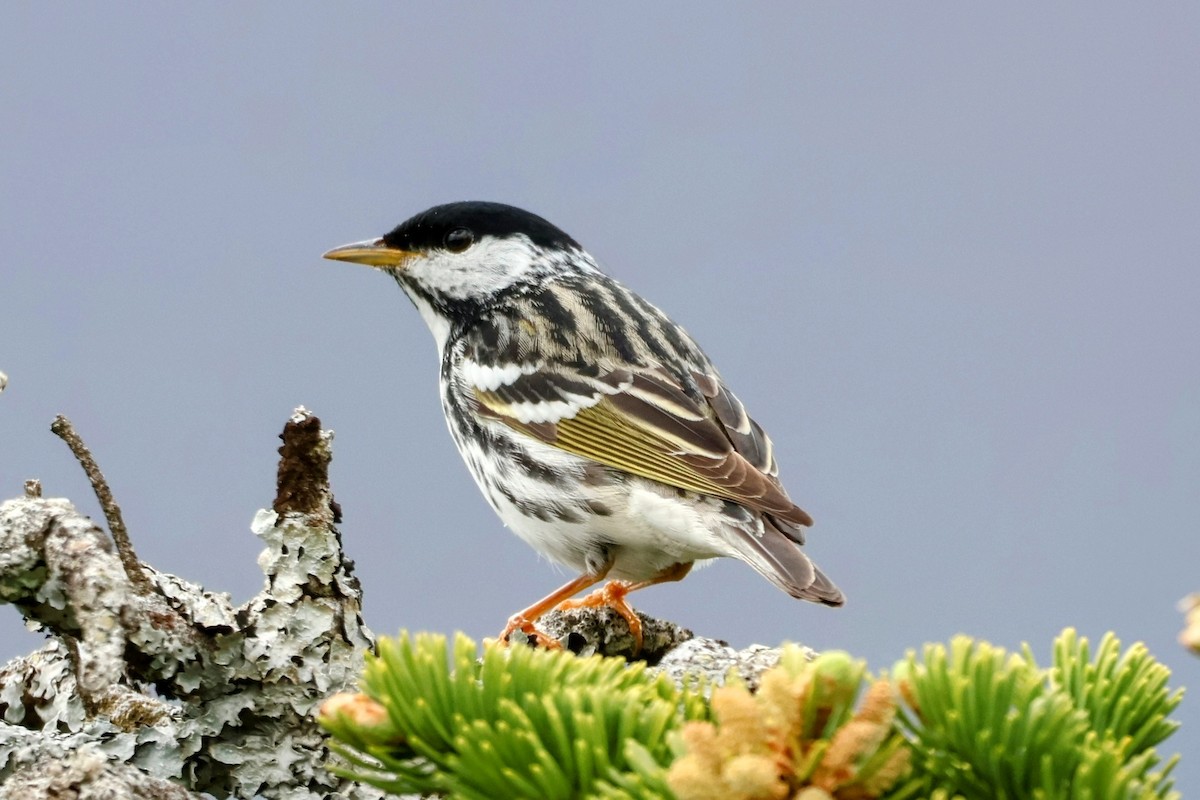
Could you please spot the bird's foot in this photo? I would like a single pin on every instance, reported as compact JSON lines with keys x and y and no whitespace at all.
{"x":518,"y":622}
{"x":611,"y":594}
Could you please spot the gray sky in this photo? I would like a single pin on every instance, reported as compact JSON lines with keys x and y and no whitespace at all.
{"x":945,"y":254}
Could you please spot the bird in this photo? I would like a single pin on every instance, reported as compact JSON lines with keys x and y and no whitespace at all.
{"x":594,"y":425}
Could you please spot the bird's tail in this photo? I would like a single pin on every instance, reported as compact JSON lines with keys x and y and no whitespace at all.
{"x":775,"y":556}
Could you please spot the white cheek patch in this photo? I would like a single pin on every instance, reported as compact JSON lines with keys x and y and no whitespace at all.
{"x":485,"y":267}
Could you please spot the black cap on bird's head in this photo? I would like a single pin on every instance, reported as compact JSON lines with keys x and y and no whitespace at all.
{"x":453,"y":228}
{"x":432,"y":228}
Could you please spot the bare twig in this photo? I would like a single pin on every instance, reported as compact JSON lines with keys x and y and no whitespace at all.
{"x":62,"y":428}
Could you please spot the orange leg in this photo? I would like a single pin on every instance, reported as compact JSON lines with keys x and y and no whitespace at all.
{"x":612,"y":594}
{"x":523,"y":620}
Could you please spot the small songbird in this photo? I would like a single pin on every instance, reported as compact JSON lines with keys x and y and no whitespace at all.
{"x":595,"y":426}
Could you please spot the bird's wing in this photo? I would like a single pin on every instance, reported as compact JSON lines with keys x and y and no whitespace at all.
{"x":642,"y":420}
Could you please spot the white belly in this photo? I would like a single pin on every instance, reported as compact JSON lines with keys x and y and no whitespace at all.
{"x":649,"y":526}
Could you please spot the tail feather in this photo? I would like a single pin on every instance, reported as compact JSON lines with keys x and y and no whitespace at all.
{"x":775,"y":556}
{"x":824,"y":591}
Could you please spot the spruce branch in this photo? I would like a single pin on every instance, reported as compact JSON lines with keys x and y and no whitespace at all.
{"x":985,"y":722}
{"x":514,"y":722}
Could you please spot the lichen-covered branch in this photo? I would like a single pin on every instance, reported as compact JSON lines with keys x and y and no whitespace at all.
{"x":169,"y":680}
{"x":86,"y":774}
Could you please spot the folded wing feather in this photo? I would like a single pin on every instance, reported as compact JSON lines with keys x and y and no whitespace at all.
{"x":643,"y":421}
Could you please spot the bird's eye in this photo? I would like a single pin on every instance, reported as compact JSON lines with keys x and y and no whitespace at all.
{"x":459,"y":240}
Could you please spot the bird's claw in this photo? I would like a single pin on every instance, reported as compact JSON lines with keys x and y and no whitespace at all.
{"x":519,"y":623}
{"x":611,"y":594}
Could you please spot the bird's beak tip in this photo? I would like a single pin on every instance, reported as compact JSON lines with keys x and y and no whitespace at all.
{"x":372,"y":252}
